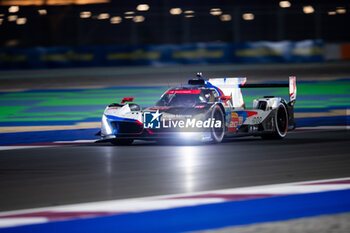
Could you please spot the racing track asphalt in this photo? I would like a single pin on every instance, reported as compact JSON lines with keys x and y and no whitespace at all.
{"x":72,"y":174}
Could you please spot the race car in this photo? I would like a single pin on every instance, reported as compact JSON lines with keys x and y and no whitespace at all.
{"x":205,"y":110}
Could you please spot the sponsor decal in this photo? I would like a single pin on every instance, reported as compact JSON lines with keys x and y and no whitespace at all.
{"x":235,"y":122}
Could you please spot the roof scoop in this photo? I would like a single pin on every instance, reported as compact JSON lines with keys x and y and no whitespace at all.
{"x":198,"y":81}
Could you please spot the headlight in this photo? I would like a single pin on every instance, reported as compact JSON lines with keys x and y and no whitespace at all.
{"x":194,"y":136}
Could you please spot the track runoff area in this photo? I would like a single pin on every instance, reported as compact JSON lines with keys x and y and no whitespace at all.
{"x":40,"y":118}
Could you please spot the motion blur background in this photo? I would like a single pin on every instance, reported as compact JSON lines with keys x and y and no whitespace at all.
{"x":70,"y":33}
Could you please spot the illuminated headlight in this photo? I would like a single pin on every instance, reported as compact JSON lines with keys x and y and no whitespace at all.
{"x":195,"y":136}
{"x":206,"y":137}
{"x":190,"y":136}
{"x":105,"y":127}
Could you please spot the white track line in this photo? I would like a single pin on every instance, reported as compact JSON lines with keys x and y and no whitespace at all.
{"x":39,"y":215}
{"x":334,"y":127}
{"x":24,"y":147}
{"x":52,"y":144}
{"x":186,"y":199}
{"x":76,"y":141}
{"x":12,"y":222}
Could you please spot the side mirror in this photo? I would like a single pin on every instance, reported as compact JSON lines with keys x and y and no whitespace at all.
{"x":225,"y":98}
{"x":127,"y":99}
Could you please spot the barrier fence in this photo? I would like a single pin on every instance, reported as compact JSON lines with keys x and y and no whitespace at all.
{"x":168,"y":54}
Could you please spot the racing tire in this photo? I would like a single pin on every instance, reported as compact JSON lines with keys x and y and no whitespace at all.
{"x":122,"y":142}
{"x":281,"y":124}
{"x":217,"y":134}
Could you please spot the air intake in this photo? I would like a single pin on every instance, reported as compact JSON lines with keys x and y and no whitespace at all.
{"x":196,"y":82}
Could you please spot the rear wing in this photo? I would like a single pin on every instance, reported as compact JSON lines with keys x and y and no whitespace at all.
{"x":232,"y":87}
{"x":292,"y":87}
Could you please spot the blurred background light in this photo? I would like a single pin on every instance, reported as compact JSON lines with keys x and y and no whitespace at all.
{"x":285,"y":4}
{"x":50,"y":2}
{"x":271,"y":22}
{"x":13,"y":9}
{"x":21,"y":21}
{"x":248,"y":16}
{"x":1,"y":20}
{"x":308,"y":9}
{"x":116,"y":20}
{"x":12,"y":18}
{"x":139,"y":19}
{"x":175,"y":11}
{"x":215,"y":11}
{"x":103,"y":16}
{"x":42,"y":11}
{"x":341,"y":10}
{"x":142,"y":7}
{"x":85,"y":14}
{"x":225,"y":17}
{"x":189,"y":12}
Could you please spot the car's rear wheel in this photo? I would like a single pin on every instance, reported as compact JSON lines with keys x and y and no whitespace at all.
{"x":280,"y":122}
{"x":218,"y":133}
{"x":122,"y":142}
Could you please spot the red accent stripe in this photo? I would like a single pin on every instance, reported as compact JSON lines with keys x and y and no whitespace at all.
{"x":251,"y":113}
{"x":50,"y":215}
{"x":149,"y":131}
{"x":158,"y":108}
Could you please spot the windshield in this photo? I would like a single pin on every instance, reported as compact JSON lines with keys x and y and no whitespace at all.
{"x":179,"y":98}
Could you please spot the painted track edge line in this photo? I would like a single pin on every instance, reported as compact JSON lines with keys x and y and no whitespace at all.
{"x":205,"y":217}
{"x":170,"y":196}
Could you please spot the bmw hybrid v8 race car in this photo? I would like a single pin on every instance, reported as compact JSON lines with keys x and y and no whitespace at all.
{"x":204,"y":110}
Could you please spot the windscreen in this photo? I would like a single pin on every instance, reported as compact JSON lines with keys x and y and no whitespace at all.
{"x":181,"y":98}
